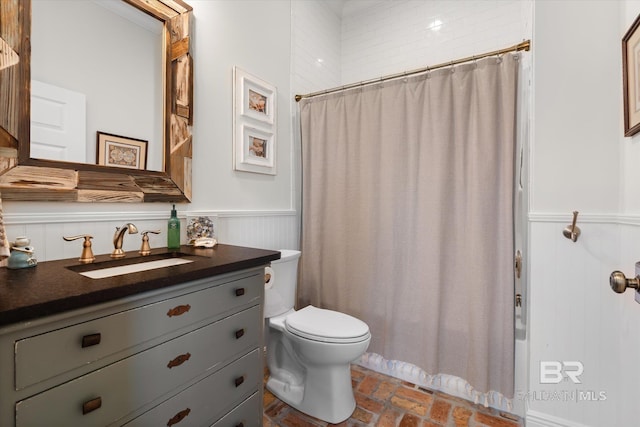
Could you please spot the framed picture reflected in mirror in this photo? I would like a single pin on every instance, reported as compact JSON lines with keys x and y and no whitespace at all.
{"x":121,"y":151}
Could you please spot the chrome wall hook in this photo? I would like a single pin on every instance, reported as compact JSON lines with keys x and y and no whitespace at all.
{"x":572,"y":231}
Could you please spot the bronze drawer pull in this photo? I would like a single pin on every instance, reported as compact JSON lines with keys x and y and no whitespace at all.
{"x":239,"y":292}
{"x":239,"y":333}
{"x":239,"y":381}
{"x":179,"y":360}
{"x":90,"y":340}
{"x":91,"y":405}
{"x":177,"y":311}
{"x":178,"y":417}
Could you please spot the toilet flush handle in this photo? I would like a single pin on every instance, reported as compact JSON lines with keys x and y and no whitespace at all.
{"x":619,"y":283}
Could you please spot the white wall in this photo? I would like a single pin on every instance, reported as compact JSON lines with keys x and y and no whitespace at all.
{"x":253,"y":209}
{"x":255,"y":36}
{"x":580,"y":161}
{"x":629,"y":147}
{"x":578,"y":99}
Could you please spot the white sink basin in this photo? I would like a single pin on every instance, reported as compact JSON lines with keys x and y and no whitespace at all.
{"x":101,"y":273}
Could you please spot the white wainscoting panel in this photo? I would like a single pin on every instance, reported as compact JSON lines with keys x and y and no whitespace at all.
{"x":260,"y":229}
{"x":266,"y":230}
{"x":575,"y":316}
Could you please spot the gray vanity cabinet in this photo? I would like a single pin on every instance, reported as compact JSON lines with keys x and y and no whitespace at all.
{"x":185,"y":355}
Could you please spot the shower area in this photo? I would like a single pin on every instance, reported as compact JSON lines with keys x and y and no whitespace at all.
{"x":413,"y":188}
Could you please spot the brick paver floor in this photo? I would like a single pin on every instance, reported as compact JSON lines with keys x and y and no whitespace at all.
{"x":383,"y":401}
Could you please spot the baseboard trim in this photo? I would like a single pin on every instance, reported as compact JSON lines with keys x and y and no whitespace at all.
{"x":540,"y":419}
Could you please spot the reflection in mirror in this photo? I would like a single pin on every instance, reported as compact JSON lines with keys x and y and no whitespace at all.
{"x":96,"y":66}
{"x":23,"y":177}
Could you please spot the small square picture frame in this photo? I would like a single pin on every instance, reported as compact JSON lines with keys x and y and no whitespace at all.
{"x":255,"y":98}
{"x":121,"y":151}
{"x":255,"y":150}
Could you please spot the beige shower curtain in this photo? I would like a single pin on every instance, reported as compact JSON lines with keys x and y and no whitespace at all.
{"x":407,"y":218}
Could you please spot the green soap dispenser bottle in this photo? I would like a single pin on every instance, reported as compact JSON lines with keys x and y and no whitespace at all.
{"x":173,"y":231}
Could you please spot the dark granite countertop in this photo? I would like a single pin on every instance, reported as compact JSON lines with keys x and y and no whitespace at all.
{"x":53,"y":287}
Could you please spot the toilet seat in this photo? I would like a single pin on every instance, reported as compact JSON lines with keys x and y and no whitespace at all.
{"x":323,"y":325}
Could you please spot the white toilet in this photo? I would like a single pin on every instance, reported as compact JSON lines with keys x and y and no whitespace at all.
{"x":309,"y":351}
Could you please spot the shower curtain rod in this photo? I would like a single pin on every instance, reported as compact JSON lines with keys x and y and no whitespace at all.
{"x":525,"y":45}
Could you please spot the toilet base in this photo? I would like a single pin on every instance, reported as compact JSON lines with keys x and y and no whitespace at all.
{"x":326,"y":394}
{"x":290,"y":394}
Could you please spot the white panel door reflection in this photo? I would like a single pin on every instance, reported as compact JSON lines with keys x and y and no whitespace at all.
{"x":58,"y":124}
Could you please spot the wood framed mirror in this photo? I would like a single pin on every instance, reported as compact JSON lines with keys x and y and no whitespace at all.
{"x":25,"y":178}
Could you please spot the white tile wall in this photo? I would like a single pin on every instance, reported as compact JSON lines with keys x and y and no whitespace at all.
{"x":387,"y":37}
{"x":373,"y":38}
{"x":315,"y":35}
{"x":315,"y":46}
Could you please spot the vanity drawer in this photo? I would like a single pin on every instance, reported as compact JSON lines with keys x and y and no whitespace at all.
{"x":247,"y":414}
{"x":110,"y":393}
{"x":210,"y":398}
{"x":41,"y":357}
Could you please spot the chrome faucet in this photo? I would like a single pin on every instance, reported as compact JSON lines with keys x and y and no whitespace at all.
{"x":118,"y":237}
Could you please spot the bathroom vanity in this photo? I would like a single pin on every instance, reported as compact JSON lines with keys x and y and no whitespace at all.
{"x":179,"y":345}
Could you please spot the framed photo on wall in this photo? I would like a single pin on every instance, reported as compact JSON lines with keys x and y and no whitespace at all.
{"x":121,"y":151}
{"x":254,"y":146}
{"x":631,"y":78}
{"x":254,"y":150}
{"x":254,"y":97}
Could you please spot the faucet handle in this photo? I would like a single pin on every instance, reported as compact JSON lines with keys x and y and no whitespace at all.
{"x":87,"y":254}
{"x":146,"y":248}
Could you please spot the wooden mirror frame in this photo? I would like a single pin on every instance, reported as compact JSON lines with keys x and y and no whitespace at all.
{"x":24,"y":178}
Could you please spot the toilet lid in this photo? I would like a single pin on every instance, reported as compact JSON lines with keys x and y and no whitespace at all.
{"x":326,"y":325}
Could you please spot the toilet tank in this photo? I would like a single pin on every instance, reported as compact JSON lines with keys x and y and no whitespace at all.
{"x":280,"y":290}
